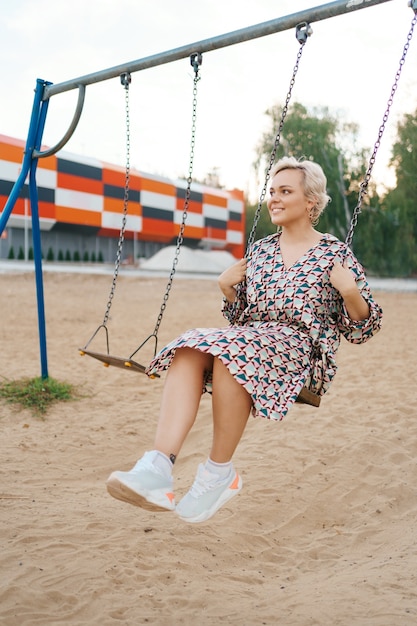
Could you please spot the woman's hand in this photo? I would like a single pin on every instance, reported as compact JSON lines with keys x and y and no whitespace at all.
{"x":232,"y":276}
{"x":344,"y":281}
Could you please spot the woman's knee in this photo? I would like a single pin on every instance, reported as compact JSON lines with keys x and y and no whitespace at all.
{"x":194,"y":358}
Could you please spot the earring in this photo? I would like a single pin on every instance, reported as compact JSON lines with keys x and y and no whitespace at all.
{"x":312,"y":214}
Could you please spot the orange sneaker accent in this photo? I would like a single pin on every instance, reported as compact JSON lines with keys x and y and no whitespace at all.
{"x":170,"y":496}
{"x":235,"y":483}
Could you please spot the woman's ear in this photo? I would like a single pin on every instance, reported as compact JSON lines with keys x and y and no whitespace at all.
{"x":311,"y":203}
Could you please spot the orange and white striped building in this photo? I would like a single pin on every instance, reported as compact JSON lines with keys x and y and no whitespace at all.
{"x":81,"y":207}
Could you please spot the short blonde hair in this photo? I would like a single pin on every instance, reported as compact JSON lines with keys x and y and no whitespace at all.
{"x":314,"y":182}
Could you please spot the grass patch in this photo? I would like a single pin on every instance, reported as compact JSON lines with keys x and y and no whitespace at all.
{"x":36,"y":394}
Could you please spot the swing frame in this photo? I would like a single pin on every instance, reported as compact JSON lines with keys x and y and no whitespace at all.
{"x":303,"y":31}
{"x":45,"y":90}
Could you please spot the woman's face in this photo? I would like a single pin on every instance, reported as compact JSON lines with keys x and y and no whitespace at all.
{"x":287,"y":203}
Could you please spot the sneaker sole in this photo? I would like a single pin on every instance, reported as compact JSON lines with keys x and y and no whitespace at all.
{"x":121,"y":492}
{"x":228,"y":494}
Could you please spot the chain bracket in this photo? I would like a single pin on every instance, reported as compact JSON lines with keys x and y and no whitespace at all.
{"x":303,"y":31}
{"x":196,"y":59}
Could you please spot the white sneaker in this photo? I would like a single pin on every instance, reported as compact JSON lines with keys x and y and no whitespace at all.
{"x":145,"y":485}
{"x":208,"y":493}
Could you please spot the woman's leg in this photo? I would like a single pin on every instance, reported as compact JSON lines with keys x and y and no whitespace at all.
{"x":149,"y":484}
{"x":181,"y":398}
{"x":231,"y":409}
{"x":217,"y":481}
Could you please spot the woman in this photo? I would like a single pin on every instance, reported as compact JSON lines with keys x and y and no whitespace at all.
{"x":289,"y":303}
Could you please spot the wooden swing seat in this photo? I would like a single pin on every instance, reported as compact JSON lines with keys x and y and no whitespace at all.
{"x":308,"y":397}
{"x":116,"y":361}
{"x":304,"y":397}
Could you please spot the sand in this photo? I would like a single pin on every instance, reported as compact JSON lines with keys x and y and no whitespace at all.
{"x":323,"y":532}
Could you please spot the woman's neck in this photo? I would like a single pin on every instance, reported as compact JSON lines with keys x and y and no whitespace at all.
{"x":291,"y":236}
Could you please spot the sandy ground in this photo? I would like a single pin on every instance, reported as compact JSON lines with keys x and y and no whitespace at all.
{"x":323,"y":532}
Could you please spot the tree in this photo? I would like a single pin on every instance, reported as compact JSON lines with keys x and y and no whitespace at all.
{"x":321,"y":137}
{"x":400,"y":203}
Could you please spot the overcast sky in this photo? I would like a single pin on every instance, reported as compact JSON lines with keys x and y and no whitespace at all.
{"x":348,"y":65}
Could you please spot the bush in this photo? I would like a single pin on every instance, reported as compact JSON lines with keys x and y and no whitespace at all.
{"x":21,"y":254}
{"x":85,"y":257}
{"x":77,"y":256}
{"x":60,"y":255}
{"x":68,"y":255}
{"x":36,"y":394}
{"x":11,"y":253}
{"x":50,"y":255}
{"x":100,"y":257}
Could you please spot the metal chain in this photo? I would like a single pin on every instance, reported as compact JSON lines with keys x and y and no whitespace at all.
{"x":196,"y":60}
{"x":303,"y":31}
{"x":364,"y":185}
{"x":125,"y":80}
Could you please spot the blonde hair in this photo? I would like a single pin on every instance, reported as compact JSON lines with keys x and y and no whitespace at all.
{"x":314,"y":182}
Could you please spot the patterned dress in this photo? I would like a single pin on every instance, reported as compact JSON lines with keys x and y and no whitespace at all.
{"x":286,"y":326}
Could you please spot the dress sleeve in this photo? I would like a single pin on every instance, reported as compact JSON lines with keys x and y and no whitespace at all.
{"x":353,"y":330}
{"x":233,"y":311}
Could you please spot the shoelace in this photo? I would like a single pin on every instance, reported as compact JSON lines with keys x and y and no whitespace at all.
{"x":205,"y":481}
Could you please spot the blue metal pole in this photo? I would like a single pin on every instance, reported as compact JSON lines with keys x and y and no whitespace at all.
{"x":27,"y":155}
{"x":36,"y":238}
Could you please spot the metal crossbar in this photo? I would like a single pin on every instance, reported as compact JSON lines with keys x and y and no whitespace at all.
{"x":45,"y":90}
{"x":315,"y":14}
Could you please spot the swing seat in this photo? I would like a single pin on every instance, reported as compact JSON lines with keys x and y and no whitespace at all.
{"x":116,"y":361}
{"x":308,"y":397}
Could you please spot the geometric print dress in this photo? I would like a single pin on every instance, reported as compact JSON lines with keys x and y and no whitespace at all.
{"x":285,"y":326}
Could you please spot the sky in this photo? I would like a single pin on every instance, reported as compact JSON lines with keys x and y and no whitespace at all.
{"x":348,"y":65}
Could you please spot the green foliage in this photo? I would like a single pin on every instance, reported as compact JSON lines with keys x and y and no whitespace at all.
{"x":77,"y":256}
{"x":50,"y":255}
{"x":320,"y":137}
{"x":85,"y":256}
{"x":100,"y":257}
{"x":401,"y":202}
{"x":36,"y":394}
{"x":93,"y":257}
{"x":60,"y":255}
{"x":21,"y":254}
{"x":264,"y":226}
{"x":68,"y":255}
{"x":385,"y":238}
{"x":30,"y":255}
{"x":11,"y":253}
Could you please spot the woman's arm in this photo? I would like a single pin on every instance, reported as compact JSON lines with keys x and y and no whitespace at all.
{"x":344,"y":281}
{"x":231,"y":277}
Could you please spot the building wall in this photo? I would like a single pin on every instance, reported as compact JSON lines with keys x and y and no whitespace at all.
{"x":81,"y":209}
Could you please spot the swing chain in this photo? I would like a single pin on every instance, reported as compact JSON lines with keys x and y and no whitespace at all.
{"x":125,"y":80}
{"x":303,"y":31}
{"x":364,"y":184}
{"x":196,"y":60}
